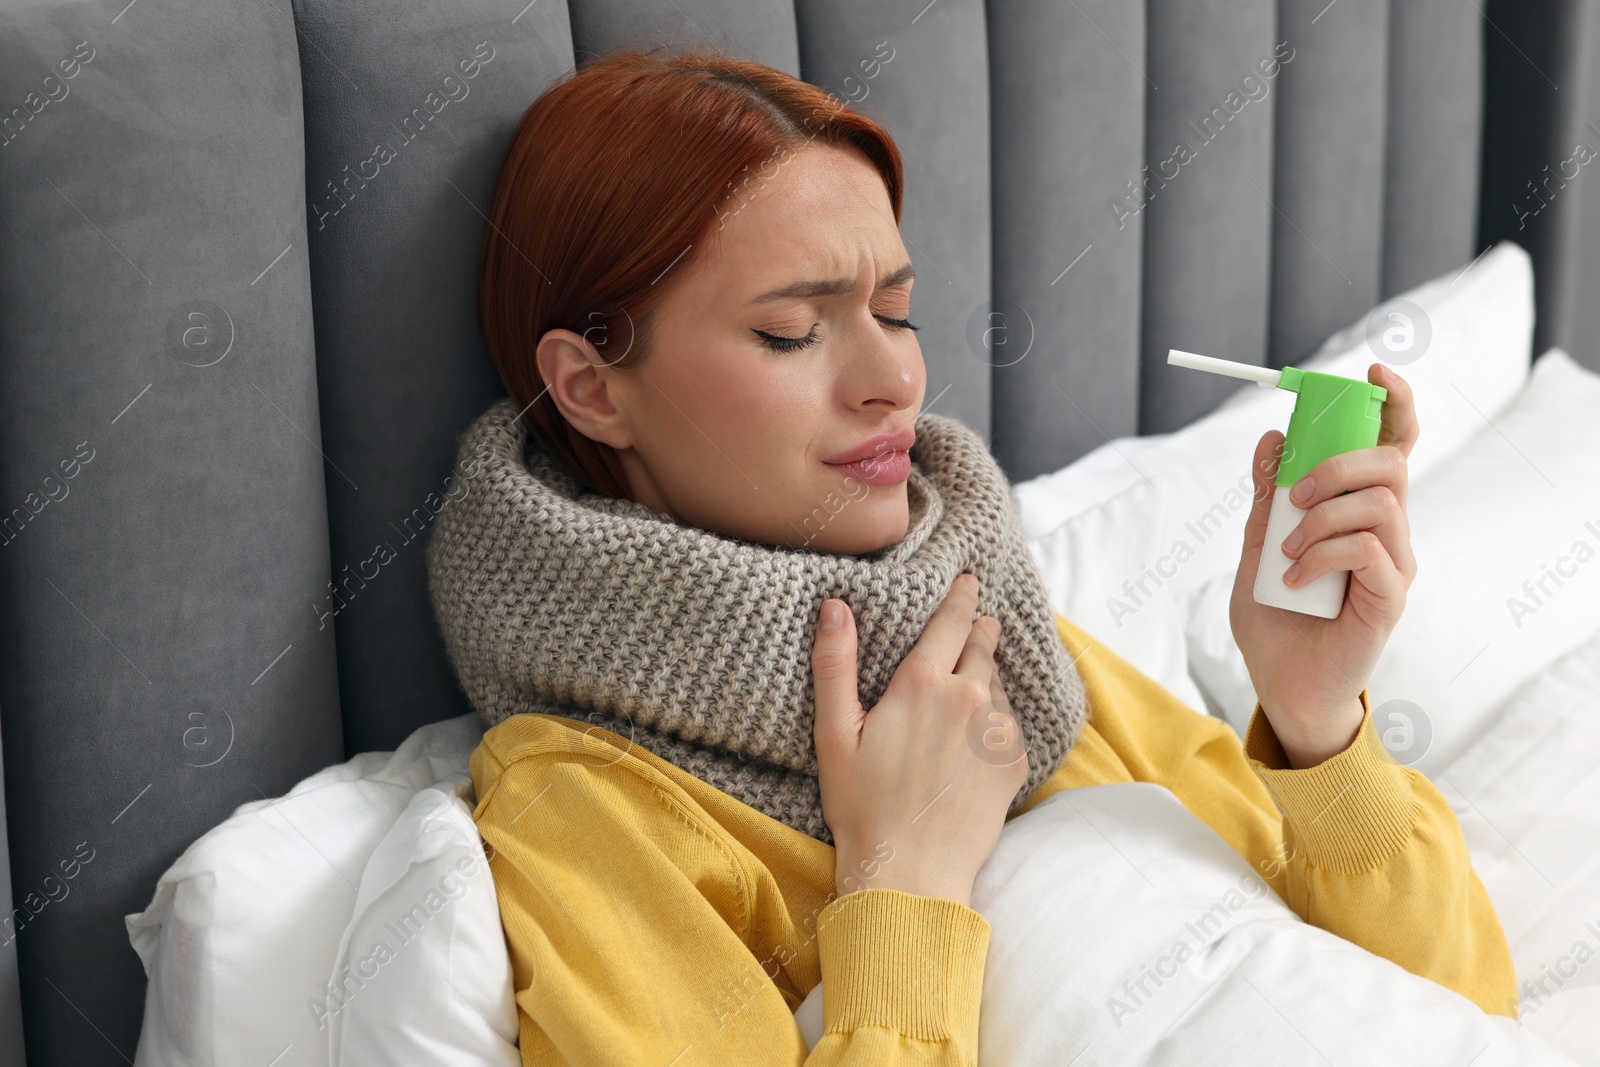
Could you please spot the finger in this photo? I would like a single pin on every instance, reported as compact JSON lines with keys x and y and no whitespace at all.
{"x":977,"y":655}
{"x":1348,"y":471}
{"x":833,"y":671}
{"x":1001,"y":703}
{"x":1362,"y":555}
{"x":1374,"y":508}
{"x":998,"y":735}
{"x":1399,"y":409}
{"x":946,"y":633}
{"x":997,"y":693}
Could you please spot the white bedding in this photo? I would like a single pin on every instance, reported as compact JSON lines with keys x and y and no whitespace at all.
{"x":1527,"y":795}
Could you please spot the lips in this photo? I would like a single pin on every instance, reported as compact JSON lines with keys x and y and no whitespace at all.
{"x":883,"y":459}
{"x":889,"y":468}
{"x":877,"y":445}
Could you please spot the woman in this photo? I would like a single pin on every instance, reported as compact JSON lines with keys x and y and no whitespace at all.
{"x":712,"y":527}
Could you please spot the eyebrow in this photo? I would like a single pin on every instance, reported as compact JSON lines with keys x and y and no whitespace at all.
{"x":833,"y":287}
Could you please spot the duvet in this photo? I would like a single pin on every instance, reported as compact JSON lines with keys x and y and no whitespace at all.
{"x":1126,"y":931}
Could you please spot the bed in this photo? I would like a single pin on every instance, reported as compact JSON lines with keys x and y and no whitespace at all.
{"x":376,"y":865}
{"x":236,"y":358}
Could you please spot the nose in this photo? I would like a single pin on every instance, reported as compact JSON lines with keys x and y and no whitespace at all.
{"x":886,"y":370}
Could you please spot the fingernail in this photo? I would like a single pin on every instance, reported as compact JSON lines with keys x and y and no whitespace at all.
{"x":1302,"y":489}
{"x":1291,"y":574}
{"x":971,"y":580}
{"x":1294,"y":540}
{"x":832,"y":614}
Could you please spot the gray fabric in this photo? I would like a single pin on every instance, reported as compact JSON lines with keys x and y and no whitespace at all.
{"x":1581,"y":334}
{"x":1433,"y":118}
{"x":919,"y":71}
{"x":759,"y":30}
{"x":1534,"y":117}
{"x":156,"y":612}
{"x":1327,"y":188}
{"x":1207,"y":227}
{"x":1067,"y":106}
{"x":401,"y":362}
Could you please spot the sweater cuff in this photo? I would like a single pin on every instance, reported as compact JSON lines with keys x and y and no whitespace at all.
{"x":1350,"y":812}
{"x":902,"y":961}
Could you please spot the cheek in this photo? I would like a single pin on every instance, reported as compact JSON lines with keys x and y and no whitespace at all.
{"x":765,"y":407}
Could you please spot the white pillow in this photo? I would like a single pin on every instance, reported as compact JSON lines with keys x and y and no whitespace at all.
{"x":422,"y":974}
{"x":1123,"y":927}
{"x":241,"y":933}
{"x":1481,"y":323}
{"x":1101,"y":569}
{"x":1521,"y":496}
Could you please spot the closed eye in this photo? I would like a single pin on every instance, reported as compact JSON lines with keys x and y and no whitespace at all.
{"x":779,"y":343}
{"x":786,"y":344}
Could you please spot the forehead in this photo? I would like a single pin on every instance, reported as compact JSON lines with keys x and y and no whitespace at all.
{"x":812,"y":213}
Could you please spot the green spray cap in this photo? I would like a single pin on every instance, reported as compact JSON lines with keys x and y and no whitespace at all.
{"x":1332,"y":414}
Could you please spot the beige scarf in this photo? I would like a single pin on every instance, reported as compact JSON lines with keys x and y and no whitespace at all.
{"x":697,"y":645}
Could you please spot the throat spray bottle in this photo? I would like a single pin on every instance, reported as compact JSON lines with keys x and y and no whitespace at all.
{"x":1332,"y":414}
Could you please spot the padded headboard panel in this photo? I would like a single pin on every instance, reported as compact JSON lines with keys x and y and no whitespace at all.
{"x":165,"y":522}
{"x":238,"y":337}
{"x":400,"y":364}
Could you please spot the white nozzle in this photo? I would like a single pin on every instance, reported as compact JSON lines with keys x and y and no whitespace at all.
{"x":1265,"y":377}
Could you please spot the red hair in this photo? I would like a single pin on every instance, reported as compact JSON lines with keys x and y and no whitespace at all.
{"x":613,"y":174}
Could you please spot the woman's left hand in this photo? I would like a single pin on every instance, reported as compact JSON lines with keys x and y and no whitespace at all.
{"x":1309,"y":671}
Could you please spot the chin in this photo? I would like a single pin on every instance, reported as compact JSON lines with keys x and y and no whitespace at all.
{"x":875,"y":525}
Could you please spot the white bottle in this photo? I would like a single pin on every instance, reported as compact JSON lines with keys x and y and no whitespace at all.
{"x":1323,"y":595}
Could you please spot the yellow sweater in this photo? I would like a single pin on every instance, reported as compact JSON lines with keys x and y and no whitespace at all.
{"x":653,"y":919}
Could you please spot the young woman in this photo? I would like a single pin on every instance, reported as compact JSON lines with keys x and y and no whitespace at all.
{"x":711,"y":573}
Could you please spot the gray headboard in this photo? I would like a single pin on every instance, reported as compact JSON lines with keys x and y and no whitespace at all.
{"x":238,"y":340}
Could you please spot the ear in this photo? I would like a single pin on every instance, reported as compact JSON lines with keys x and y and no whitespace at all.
{"x":584,"y":388}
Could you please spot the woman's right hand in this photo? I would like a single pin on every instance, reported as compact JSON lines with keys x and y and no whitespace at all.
{"x":916,"y":790}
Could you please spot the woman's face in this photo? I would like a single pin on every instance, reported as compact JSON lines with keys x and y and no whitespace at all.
{"x":731,"y":428}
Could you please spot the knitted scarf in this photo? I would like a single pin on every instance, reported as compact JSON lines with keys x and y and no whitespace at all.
{"x":697,"y":645}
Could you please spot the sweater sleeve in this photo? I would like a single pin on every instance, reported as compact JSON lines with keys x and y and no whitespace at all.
{"x":1373,"y":852}
{"x":902,"y":980}
{"x":627,"y":916}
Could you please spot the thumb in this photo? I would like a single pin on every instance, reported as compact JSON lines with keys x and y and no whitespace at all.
{"x":1264,"y":472}
{"x":833,"y":671}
